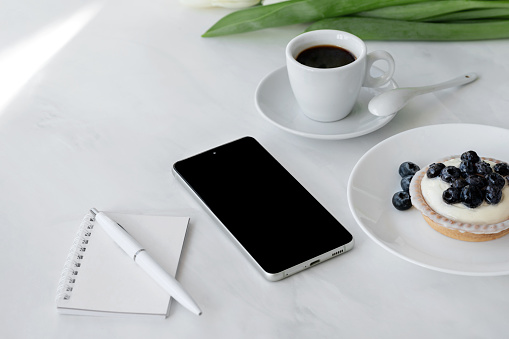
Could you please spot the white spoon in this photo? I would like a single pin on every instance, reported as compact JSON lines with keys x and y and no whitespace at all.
{"x":392,"y":101}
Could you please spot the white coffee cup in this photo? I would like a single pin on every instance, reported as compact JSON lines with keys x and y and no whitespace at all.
{"x":329,"y":94}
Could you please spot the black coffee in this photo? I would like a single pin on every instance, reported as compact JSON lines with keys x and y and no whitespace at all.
{"x":325,"y":56}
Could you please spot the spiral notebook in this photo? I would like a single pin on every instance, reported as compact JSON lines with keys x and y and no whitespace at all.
{"x":100,"y":279}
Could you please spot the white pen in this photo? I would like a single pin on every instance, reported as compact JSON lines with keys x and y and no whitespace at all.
{"x":145,"y":261}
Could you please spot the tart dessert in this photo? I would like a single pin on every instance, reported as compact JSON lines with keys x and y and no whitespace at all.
{"x":464,"y":197}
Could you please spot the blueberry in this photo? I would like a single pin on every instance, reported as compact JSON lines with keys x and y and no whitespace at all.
{"x":405,"y":182}
{"x":434,"y":170}
{"x":471,"y":196}
{"x":470,"y":156}
{"x":493,"y":195}
{"x":408,"y":168}
{"x":467,"y":168}
{"x":401,"y":200}
{"x":502,"y":169}
{"x":477,"y":181}
{"x":495,"y":179}
{"x":459,"y":183}
{"x":483,"y":168}
{"x":450,"y":173}
{"x":452,"y":195}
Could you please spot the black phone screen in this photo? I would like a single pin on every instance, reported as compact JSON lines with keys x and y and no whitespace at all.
{"x":277,"y":221}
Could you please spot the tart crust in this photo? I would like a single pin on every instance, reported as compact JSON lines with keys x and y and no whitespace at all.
{"x":451,"y":228}
{"x":465,"y":236}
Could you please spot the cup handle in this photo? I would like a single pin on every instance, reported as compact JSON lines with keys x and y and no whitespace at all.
{"x":370,"y":81}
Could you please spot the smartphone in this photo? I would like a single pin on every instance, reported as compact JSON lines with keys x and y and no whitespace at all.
{"x":275,"y":222}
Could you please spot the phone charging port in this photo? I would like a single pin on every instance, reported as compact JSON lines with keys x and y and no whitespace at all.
{"x":314,"y":262}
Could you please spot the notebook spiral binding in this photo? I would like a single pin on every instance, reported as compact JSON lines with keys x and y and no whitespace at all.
{"x":75,"y":257}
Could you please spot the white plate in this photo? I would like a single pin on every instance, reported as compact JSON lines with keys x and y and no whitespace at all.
{"x":275,"y":101}
{"x":375,"y":179}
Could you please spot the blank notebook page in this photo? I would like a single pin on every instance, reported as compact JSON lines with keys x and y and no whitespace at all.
{"x":108,"y":281}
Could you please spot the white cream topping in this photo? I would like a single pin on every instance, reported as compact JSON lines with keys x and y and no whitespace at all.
{"x":432,"y":190}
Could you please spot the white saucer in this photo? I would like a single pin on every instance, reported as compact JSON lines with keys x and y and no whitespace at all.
{"x":275,"y":101}
{"x":375,"y":179}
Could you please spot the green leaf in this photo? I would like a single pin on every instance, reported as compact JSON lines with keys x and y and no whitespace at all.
{"x":384,"y":29}
{"x":430,"y":9}
{"x":293,"y":12}
{"x":474,"y":14}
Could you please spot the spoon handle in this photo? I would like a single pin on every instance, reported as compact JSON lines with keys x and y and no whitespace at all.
{"x":461,"y":80}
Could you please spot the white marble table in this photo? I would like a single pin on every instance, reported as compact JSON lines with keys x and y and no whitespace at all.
{"x":99,"y":98}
